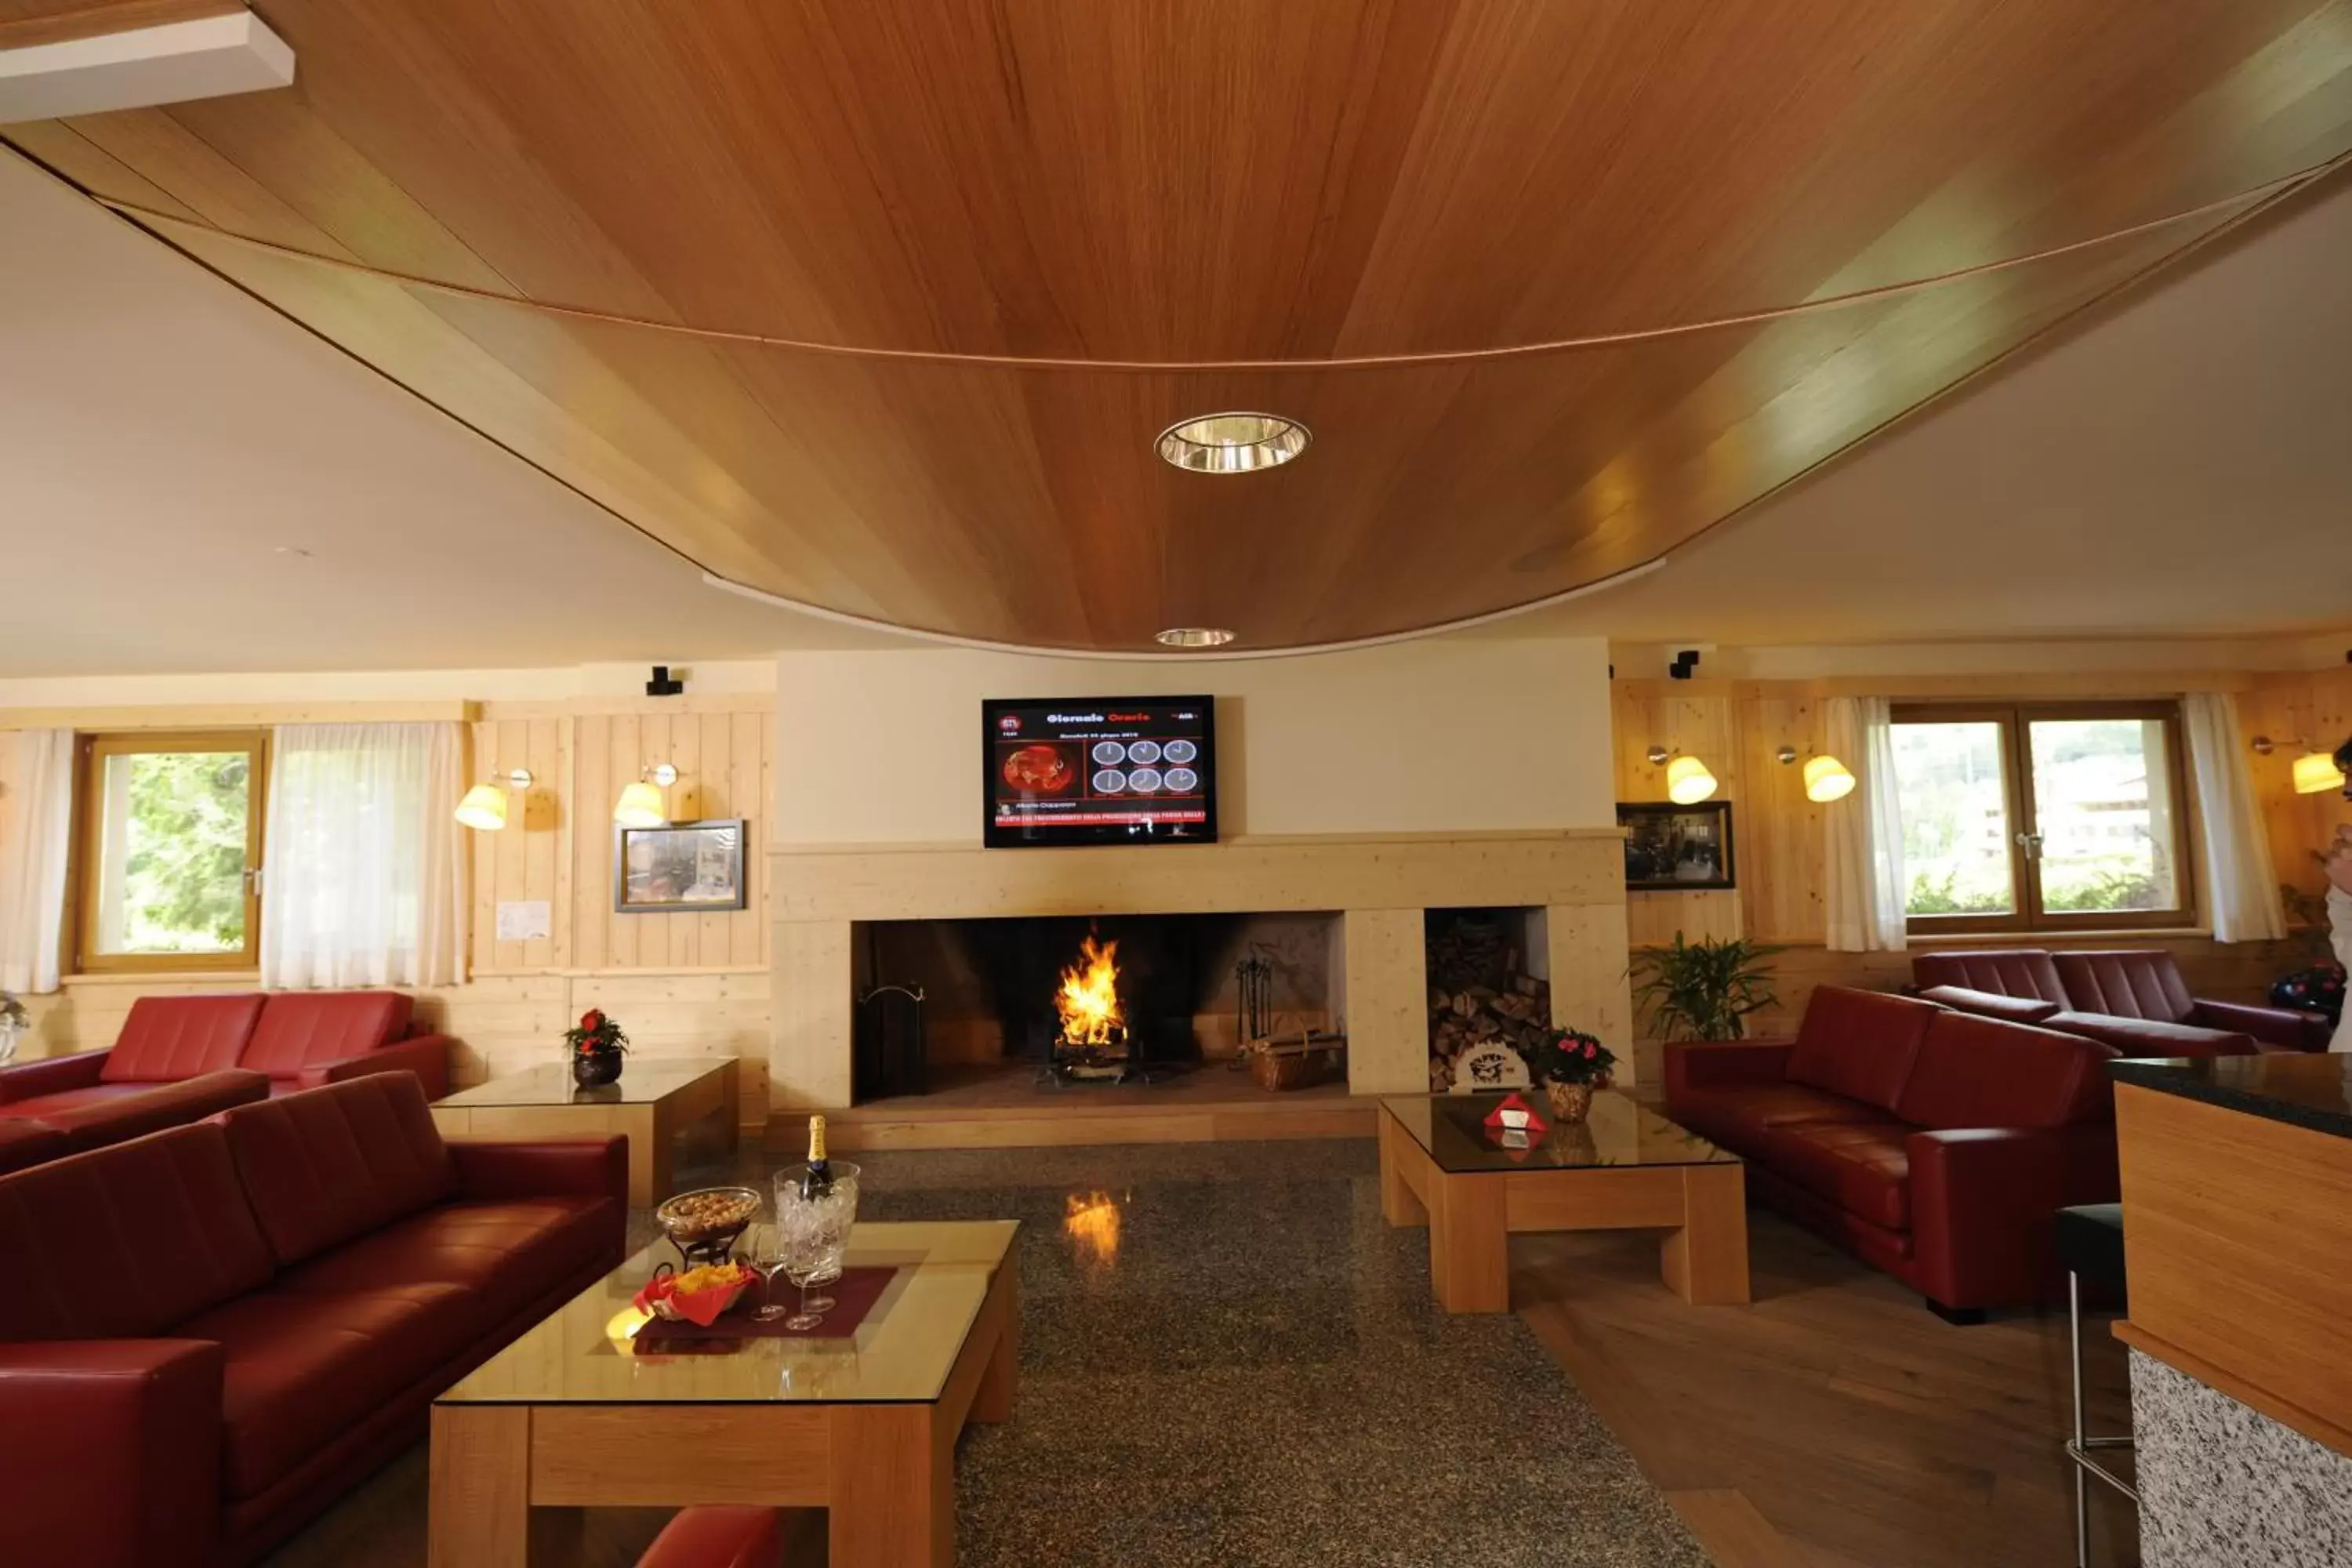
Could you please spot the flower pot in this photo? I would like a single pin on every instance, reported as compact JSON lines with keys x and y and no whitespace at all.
{"x":1570,"y":1101}
{"x":594,"y":1070}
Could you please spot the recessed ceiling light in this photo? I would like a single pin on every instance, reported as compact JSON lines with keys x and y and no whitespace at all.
{"x":1233,"y":443}
{"x":1194,"y":637}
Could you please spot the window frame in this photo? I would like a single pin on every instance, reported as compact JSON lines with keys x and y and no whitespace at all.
{"x":2015,"y":720}
{"x":90,"y":812}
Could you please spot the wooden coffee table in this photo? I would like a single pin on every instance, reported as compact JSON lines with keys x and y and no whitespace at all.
{"x":570,"y":1416}
{"x":657,"y":1097}
{"x":1627,"y":1168}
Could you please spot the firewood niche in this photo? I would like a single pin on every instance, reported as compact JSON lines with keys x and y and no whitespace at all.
{"x":1480,"y":989}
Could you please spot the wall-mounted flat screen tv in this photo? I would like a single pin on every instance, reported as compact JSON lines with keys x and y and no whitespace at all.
{"x":1100,"y":770}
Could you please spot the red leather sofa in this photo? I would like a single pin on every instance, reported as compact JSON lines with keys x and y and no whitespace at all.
{"x":181,"y":1058}
{"x":1935,"y":1144}
{"x":215,"y":1330}
{"x":718,"y":1537}
{"x":2133,"y":999}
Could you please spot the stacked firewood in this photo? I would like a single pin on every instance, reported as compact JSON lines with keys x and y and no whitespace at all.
{"x":1478,"y":994}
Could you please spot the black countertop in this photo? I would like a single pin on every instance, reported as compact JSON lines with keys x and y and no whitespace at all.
{"x":2308,"y":1091}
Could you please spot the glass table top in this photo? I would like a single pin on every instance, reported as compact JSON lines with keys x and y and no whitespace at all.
{"x":1621,"y":1130}
{"x":643,"y":1080}
{"x":902,"y":1352}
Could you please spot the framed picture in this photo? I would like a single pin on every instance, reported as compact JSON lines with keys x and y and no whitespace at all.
{"x":680,"y":868}
{"x":1683,"y":848}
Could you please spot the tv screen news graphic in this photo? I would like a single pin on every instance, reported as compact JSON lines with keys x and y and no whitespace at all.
{"x":1099,"y":770}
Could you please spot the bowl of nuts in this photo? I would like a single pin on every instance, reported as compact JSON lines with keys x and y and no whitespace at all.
{"x":704,"y":1225}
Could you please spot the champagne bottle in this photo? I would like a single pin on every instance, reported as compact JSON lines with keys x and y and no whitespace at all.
{"x":816,"y":1181}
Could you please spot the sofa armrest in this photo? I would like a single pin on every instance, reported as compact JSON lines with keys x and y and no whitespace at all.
{"x":1723,"y":1064}
{"x":566,"y":1167}
{"x":2292,"y":1028}
{"x":51,"y":1075}
{"x":1983,"y":1202}
{"x":120,"y":1465}
{"x":1991,"y":1005}
{"x":426,"y":1055}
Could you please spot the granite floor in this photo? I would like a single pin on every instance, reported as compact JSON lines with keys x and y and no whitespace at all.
{"x":1227,"y":1358}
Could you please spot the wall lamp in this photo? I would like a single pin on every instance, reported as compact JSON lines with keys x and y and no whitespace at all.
{"x":2315,"y":771}
{"x":1687,"y":780}
{"x":1826,"y":778}
{"x":484,"y":809}
{"x":641,"y":804}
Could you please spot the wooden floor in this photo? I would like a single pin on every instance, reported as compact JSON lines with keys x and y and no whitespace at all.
{"x":1004,"y":1107}
{"x":1836,"y":1423}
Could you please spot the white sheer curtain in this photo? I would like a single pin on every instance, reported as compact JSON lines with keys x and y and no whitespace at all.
{"x":364,"y":879}
{"x":2242,"y":887}
{"x":1862,"y":834}
{"x":35,"y":835}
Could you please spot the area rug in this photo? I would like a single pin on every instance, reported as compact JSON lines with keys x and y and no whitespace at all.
{"x":1229,"y":1359}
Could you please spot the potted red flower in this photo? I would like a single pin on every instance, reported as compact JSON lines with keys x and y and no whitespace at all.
{"x":1570,"y":1065}
{"x":597,"y":1045}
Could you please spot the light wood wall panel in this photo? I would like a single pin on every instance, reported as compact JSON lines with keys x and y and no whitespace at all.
{"x":680,"y":984}
{"x":1738,"y":727}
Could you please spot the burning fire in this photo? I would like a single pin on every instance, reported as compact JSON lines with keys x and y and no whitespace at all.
{"x":1088,"y":999}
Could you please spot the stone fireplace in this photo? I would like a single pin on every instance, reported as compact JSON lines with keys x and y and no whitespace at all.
{"x":1367,"y":895}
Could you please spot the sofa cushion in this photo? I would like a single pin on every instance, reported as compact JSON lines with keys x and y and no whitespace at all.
{"x":24,"y":1143}
{"x":71,"y":1099}
{"x":126,"y":1242}
{"x":1862,"y":1167}
{"x":1991,"y":1003}
{"x":2025,"y":972}
{"x":101,"y":1118}
{"x":299,"y":1028}
{"x":299,"y":1369}
{"x":325,"y":1166}
{"x":507,"y":1253}
{"x":1738,"y":1116}
{"x":2152,"y":1038}
{"x":2129,"y":984}
{"x":171,"y":1038}
{"x":1858,"y":1044}
{"x":1982,"y":1072}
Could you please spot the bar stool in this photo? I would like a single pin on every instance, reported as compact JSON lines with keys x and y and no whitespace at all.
{"x":2091,"y":1244}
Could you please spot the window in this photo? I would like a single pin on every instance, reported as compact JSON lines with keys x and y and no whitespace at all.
{"x":170,"y":854}
{"x":2042,"y":817}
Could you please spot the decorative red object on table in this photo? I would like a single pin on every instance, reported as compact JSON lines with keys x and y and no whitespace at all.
{"x":1512,"y":1114}
{"x":854,"y":1296}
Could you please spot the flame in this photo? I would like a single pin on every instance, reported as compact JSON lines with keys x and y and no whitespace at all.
{"x":1092,"y":1224}
{"x":1088,"y":999}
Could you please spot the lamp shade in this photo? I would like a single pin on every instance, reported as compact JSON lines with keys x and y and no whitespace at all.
{"x":1689,"y":782}
{"x":1827,"y":779}
{"x":2315,"y":772}
{"x":484,"y":808}
{"x":641,"y":806}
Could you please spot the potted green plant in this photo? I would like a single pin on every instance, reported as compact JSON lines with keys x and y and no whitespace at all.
{"x":1704,"y":990}
{"x":1570,"y":1065}
{"x":597,"y":1045}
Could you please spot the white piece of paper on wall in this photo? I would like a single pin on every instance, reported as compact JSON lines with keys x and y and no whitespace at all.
{"x":524,"y":920}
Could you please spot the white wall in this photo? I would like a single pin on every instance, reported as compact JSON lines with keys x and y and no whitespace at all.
{"x":1427,"y":737}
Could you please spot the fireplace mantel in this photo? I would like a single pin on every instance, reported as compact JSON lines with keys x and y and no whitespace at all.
{"x":1380,"y":884}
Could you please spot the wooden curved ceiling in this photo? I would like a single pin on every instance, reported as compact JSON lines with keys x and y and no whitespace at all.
{"x":1212,"y":180}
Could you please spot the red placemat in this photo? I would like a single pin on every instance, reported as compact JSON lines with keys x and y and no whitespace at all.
{"x":853,"y":1296}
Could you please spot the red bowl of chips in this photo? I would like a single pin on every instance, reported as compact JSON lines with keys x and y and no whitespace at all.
{"x":697,"y":1296}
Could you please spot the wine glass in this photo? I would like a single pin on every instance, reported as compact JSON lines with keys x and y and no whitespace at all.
{"x":767,"y":1255}
{"x":816,"y":1231}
